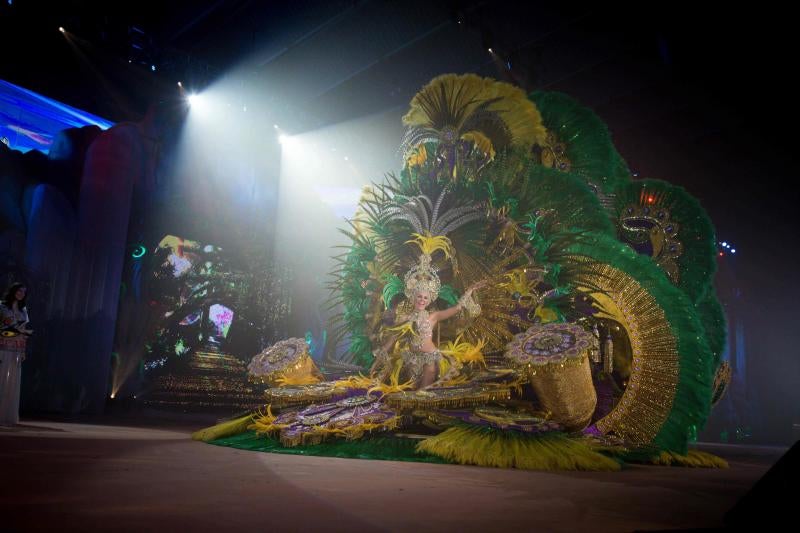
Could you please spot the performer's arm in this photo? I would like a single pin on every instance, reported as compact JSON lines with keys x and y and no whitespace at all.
{"x":451,"y":311}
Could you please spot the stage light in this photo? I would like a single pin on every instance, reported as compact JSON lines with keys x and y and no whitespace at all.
{"x":283,"y":138}
{"x":198,"y":103}
{"x":275,"y":126}
{"x":724,"y":244}
{"x":721,"y":254}
{"x":61,"y":29}
{"x":180,"y":84}
{"x":139,"y":252}
{"x":733,"y":251}
{"x":153,"y":68}
{"x":346,"y":158}
{"x":491,"y":51}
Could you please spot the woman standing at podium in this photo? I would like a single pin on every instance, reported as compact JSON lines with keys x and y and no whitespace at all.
{"x":14,"y":333}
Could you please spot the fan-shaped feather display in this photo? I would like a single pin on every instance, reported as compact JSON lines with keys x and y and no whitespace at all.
{"x":524,"y":214}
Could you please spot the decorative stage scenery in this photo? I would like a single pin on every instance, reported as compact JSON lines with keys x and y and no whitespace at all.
{"x":511,"y":298}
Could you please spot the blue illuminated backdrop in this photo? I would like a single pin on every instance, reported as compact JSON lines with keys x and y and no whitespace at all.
{"x":30,"y":121}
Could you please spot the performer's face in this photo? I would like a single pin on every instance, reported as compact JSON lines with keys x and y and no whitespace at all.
{"x":421,"y":300}
{"x":20,"y":294}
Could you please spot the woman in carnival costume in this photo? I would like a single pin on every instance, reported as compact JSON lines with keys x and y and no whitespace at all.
{"x":420,"y":359}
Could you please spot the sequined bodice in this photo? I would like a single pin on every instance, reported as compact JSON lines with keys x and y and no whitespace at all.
{"x":424,"y":327}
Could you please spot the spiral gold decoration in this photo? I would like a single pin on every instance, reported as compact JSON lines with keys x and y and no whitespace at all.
{"x":648,"y":397}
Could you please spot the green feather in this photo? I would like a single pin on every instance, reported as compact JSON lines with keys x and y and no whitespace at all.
{"x":448,"y":294}
{"x":588,"y":142}
{"x":712,"y":316}
{"x":394,"y":286}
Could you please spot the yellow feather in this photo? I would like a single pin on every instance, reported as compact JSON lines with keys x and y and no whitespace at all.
{"x":479,"y":446}
{"x":406,"y":328}
{"x":225,"y":429}
{"x":465,"y":352}
{"x":451,"y":99}
{"x":694,"y":459}
{"x":394,"y":384}
{"x":546,"y":314}
{"x":430,"y":243}
{"x":418,"y":156}
{"x":481,"y":142}
{"x":305,"y":379}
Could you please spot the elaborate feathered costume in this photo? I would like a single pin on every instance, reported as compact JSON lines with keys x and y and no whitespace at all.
{"x":596,"y":335}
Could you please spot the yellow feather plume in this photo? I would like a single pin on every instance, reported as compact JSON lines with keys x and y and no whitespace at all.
{"x":545,"y":314}
{"x":430,"y":243}
{"x":417,"y":157}
{"x":456,"y":101}
{"x":694,"y":459}
{"x":406,"y":328}
{"x":394,"y":384}
{"x":465,"y":352}
{"x":444,"y":99}
{"x":265,"y":422}
{"x":479,"y":446}
{"x":225,"y":429}
{"x":521,"y":116}
{"x":481,"y":142}
{"x":517,"y":281}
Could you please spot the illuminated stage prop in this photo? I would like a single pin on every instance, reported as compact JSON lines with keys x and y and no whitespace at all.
{"x":214,"y":381}
{"x":516,"y":260}
{"x":203,"y":306}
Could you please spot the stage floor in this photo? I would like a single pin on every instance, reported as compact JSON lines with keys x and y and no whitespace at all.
{"x":102,"y":477}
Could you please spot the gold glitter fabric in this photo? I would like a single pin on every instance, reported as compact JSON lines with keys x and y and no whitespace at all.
{"x":415,"y":360}
{"x":449,"y":397}
{"x":284,"y":363}
{"x":647,"y":227}
{"x":648,"y":397}
{"x":555,"y":358}
{"x":304,"y":394}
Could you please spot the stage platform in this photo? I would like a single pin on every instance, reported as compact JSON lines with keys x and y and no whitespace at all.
{"x":147,"y":475}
